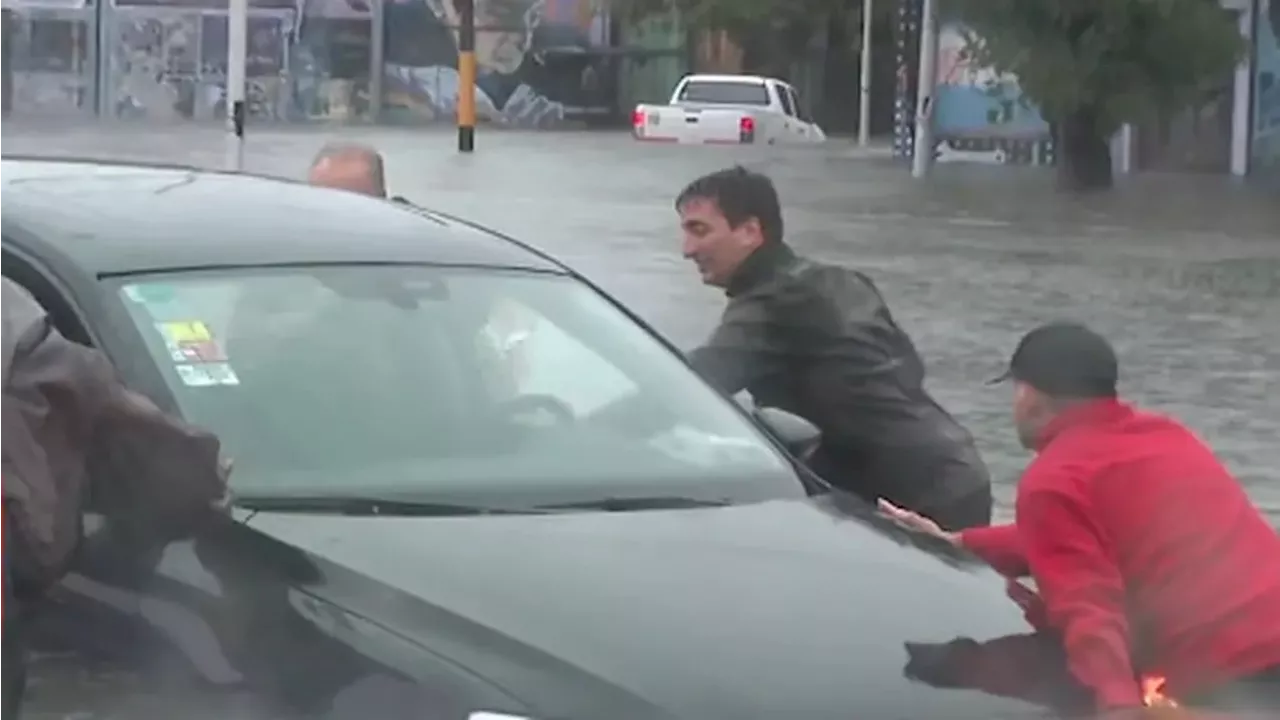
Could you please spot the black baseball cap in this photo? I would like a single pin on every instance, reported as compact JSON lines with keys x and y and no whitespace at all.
{"x":1064,"y":359}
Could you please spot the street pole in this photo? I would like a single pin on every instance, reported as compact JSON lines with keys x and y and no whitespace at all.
{"x":926,"y":87}
{"x":864,"y":86}
{"x":237,"y":42}
{"x":467,"y":76}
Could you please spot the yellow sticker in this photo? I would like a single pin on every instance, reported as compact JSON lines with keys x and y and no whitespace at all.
{"x":186,"y":332}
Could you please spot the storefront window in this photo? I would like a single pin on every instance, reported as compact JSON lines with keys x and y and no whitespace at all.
{"x":55,"y":45}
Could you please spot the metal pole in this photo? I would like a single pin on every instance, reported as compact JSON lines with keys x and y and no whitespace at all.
{"x":377,"y":58}
{"x":467,"y":76}
{"x":237,"y":41}
{"x":864,"y":87}
{"x":926,"y":87}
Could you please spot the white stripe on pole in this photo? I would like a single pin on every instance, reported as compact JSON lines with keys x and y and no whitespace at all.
{"x":864,"y":86}
{"x":237,"y":42}
{"x":926,"y":89}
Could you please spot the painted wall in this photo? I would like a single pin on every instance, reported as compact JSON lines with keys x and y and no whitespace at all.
{"x":536,"y":61}
{"x":1265,"y":149}
{"x":979,"y":115}
{"x":307,"y":59}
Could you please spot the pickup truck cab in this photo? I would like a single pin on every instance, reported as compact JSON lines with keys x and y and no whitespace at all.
{"x":730,"y":110}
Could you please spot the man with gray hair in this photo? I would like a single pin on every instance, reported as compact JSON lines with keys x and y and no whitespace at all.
{"x":349,"y":166}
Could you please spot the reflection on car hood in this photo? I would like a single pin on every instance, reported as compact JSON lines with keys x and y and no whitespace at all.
{"x":785,"y":609}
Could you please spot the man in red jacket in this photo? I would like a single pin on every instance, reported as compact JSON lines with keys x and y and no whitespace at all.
{"x":1148,"y":555}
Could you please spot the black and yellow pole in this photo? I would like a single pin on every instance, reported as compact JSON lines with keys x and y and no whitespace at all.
{"x":466,"y":76}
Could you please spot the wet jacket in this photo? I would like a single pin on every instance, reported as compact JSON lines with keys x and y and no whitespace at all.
{"x":819,"y":341}
{"x":72,"y":431}
{"x":1148,"y":555}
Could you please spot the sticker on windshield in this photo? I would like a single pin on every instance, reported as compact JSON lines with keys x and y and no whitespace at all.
{"x":191,"y":342}
{"x":191,"y":331}
{"x":207,"y":375}
{"x":198,"y":357}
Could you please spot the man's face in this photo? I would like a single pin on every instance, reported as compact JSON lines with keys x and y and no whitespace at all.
{"x":351,"y":174}
{"x":1030,"y":413}
{"x":712,"y":244}
{"x":502,"y":27}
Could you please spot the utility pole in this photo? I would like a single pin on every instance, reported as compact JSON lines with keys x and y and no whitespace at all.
{"x":926,"y":89}
{"x":237,"y":48}
{"x":467,"y":76}
{"x":864,"y":85}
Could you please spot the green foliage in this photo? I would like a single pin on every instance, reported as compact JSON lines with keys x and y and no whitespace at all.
{"x":1123,"y":59}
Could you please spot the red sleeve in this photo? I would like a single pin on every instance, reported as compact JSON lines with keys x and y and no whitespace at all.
{"x":1082,"y":590}
{"x":1000,"y":546}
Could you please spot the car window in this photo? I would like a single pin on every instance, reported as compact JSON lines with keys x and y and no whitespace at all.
{"x":784,"y":98}
{"x":725,"y":93}
{"x":801,"y":111}
{"x":544,"y":359}
{"x":447,"y":382}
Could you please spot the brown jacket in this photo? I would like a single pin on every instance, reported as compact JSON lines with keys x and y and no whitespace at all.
{"x":73,"y":431}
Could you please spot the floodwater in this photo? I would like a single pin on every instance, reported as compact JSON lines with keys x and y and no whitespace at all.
{"x":1183,"y":274}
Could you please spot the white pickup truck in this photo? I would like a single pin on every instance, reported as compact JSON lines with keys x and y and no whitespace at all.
{"x":727,"y":109}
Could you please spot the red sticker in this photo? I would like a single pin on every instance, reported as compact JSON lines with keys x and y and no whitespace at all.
{"x":202,"y":351}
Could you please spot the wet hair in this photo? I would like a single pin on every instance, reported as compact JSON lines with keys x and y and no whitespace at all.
{"x":741,"y":195}
{"x":343,"y":151}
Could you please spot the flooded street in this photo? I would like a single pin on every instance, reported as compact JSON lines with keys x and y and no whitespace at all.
{"x":1182,"y":274}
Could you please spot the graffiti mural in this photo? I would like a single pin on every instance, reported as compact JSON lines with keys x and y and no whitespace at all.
{"x":978,"y":115}
{"x":168,"y":58}
{"x":307,"y":59}
{"x":537,"y":60}
{"x":331,"y":62}
{"x":981,"y":115}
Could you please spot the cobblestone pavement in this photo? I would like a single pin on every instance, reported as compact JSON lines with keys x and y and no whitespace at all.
{"x":1182,"y":273}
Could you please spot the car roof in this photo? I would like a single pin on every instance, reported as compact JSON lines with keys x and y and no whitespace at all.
{"x":116,"y":218}
{"x":739,"y":79}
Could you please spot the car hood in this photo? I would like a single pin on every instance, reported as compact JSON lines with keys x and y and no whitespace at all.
{"x":779,"y":609}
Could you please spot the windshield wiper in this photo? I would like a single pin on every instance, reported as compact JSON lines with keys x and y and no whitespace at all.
{"x":357,"y":505}
{"x":629,"y":504}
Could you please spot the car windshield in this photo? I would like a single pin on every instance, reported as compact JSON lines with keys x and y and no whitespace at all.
{"x":505,"y":388}
{"x":725,"y":93}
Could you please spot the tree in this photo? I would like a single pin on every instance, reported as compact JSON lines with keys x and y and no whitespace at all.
{"x":1092,"y":66}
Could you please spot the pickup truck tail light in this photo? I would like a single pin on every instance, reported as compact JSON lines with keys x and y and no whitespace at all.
{"x":637,"y":120}
{"x":747,"y":129}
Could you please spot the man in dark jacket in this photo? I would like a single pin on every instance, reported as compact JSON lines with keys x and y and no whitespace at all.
{"x":73,"y":431}
{"x":817,"y":340}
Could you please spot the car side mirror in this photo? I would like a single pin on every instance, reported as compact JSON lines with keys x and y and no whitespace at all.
{"x":799,"y":436}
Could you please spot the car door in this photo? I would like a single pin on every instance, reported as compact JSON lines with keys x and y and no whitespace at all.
{"x":227,"y":623}
{"x":805,"y":129}
{"x":787,"y":121}
{"x":121,"y":605}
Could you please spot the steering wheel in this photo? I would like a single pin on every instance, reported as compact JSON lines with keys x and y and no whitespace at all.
{"x":535,"y":404}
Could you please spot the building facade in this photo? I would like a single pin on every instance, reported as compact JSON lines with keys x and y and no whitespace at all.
{"x":981,"y":116}
{"x":542,"y":62}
